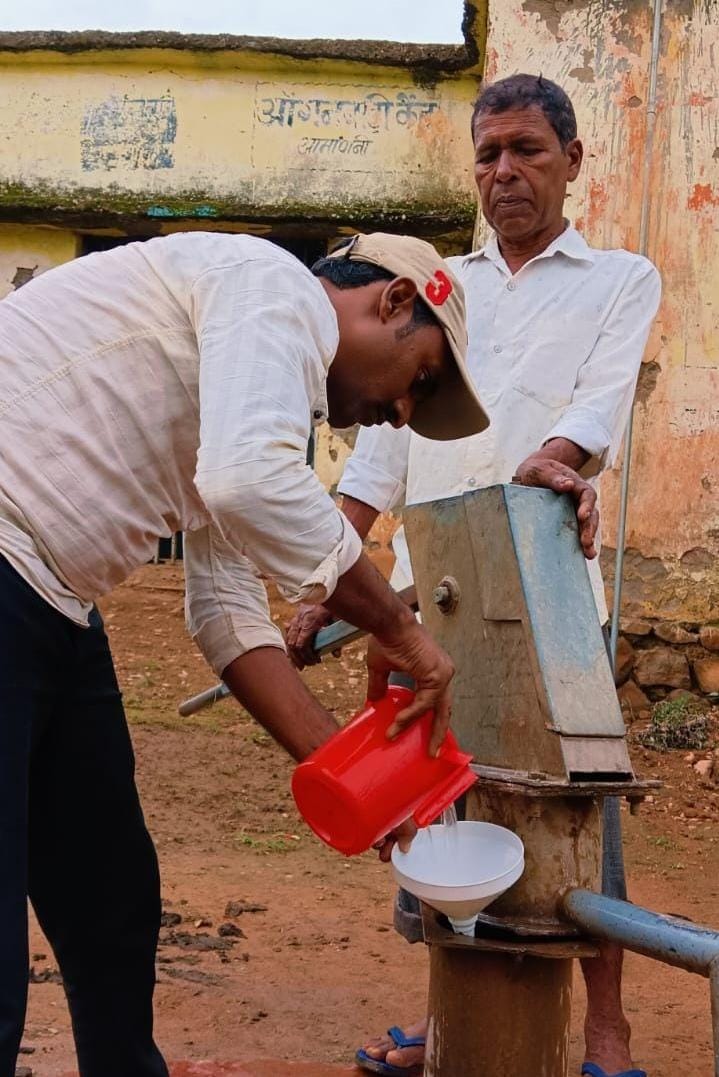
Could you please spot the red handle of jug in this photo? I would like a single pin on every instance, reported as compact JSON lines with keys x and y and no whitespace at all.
{"x":446,"y":792}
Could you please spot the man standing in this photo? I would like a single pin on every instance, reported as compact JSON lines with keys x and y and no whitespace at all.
{"x":556,"y":336}
{"x":157,"y":387}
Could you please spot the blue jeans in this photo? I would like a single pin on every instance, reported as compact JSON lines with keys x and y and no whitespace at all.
{"x":73,"y":838}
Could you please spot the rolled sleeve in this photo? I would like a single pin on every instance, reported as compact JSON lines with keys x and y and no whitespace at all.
{"x":585,"y":428}
{"x":601,"y":403}
{"x":226,"y":607}
{"x":319,"y":586}
{"x":376,"y":472}
{"x":267,"y":334}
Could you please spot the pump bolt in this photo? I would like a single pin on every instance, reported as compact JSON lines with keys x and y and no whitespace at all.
{"x":446,"y":595}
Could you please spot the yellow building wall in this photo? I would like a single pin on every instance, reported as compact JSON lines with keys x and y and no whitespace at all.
{"x":27,"y":250}
{"x":600,"y":54}
{"x":157,"y":135}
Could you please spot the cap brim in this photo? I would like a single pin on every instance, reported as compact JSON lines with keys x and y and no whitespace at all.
{"x":453,"y":411}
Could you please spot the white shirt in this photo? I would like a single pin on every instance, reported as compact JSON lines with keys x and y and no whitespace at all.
{"x":554,"y":351}
{"x":165,"y":386}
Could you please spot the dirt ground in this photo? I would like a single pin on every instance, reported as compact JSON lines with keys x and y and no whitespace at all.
{"x":310,"y":966}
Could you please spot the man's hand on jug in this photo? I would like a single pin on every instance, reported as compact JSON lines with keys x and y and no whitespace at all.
{"x":412,"y":650}
{"x":402,"y":835}
{"x":302,"y":630}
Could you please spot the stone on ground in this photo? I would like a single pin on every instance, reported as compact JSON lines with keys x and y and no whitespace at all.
{"x":709,"y":637}
{"x":706,"y":671}
{"x":634,"y":703}
{"x":626,"y":657}
{"x":674,"y":633}
{"x":662,"y":666}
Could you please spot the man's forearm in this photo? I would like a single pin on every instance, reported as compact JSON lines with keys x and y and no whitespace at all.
{"x":364,"y":598}
{"x":362,"y":517}
{"x":266,"y":684}
{"x":359,"y":514}
{"x":310,"y":618}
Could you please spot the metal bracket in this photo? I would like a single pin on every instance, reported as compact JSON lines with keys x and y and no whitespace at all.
{"x":436,"y":934}
{"x":535,"y":784}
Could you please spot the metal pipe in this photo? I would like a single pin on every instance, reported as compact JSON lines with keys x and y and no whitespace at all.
{"x":643,"y":243}
{"x":714,"y":990}
{"x":666,"y":938}
{"x":328,"y":639}
{"x":497,"y":1014}
{"x":203,"y":699}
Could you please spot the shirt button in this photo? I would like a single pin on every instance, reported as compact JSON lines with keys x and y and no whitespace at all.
{"x":317,"y":414}
{"x":471,"y":482}
{"x":511,"y":286}
{"x":497,"y":348}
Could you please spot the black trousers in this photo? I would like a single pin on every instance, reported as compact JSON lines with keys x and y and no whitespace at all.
{"x":73,"y":838}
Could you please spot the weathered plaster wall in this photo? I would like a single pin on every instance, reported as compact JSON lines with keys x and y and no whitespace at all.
{"x":332,"y":448}
{"x":153,"y":135}
{"x":600,"y":53}
{"x":148,"y":134}
{"x":26,"y":251}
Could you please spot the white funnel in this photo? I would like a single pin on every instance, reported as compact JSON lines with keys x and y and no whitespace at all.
{"x":460,"y":869}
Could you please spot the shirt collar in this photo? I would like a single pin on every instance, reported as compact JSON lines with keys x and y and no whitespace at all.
{"x":569,"y":242}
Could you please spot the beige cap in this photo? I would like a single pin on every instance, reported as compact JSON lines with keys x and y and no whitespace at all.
{"x":454,"y":410}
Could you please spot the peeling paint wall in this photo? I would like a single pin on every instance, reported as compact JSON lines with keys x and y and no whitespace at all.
{"x":600,"y":53}
{"x":231,"y":135}
{"x":152,"y":139}
{"x":26,"y":251}
{"x":332,"y":449}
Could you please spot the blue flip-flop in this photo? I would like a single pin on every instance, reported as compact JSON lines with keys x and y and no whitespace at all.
{"x":591,"y":1069}
{"x":373,"y":1065}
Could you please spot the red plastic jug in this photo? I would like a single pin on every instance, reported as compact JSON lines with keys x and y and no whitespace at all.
{"x":359,"y":785}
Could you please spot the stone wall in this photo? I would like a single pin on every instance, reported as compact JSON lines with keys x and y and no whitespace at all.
{"x":657,"y":660}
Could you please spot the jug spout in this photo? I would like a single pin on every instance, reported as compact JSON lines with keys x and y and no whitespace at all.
{"x":446,"y":792}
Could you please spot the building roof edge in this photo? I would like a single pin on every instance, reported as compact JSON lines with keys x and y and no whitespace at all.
{"x":439,"y":58}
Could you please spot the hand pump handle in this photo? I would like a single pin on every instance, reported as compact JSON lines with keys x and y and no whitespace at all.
{"x":328,"y":639}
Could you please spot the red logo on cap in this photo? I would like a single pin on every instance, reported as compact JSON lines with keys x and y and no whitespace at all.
{"x":439,"y":289}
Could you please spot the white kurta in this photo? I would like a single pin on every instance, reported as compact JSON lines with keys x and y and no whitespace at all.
{"x":554,"y":351}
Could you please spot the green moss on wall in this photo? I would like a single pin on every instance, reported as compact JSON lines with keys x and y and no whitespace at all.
{"x":88,"y":207}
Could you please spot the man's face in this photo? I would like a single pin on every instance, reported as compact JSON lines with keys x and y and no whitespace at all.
{"x":383,"y":366}
{"x":522,"y":171}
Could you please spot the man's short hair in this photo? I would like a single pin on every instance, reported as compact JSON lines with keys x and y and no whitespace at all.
{"x":346,"y":273}
{"x":524,"y":91}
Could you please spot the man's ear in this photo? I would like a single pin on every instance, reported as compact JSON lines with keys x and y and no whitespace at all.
{"x":397,"y":299}
{"x":575,"y":153}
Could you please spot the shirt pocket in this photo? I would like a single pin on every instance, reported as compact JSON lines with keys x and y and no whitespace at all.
{"x":549,"y":368}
